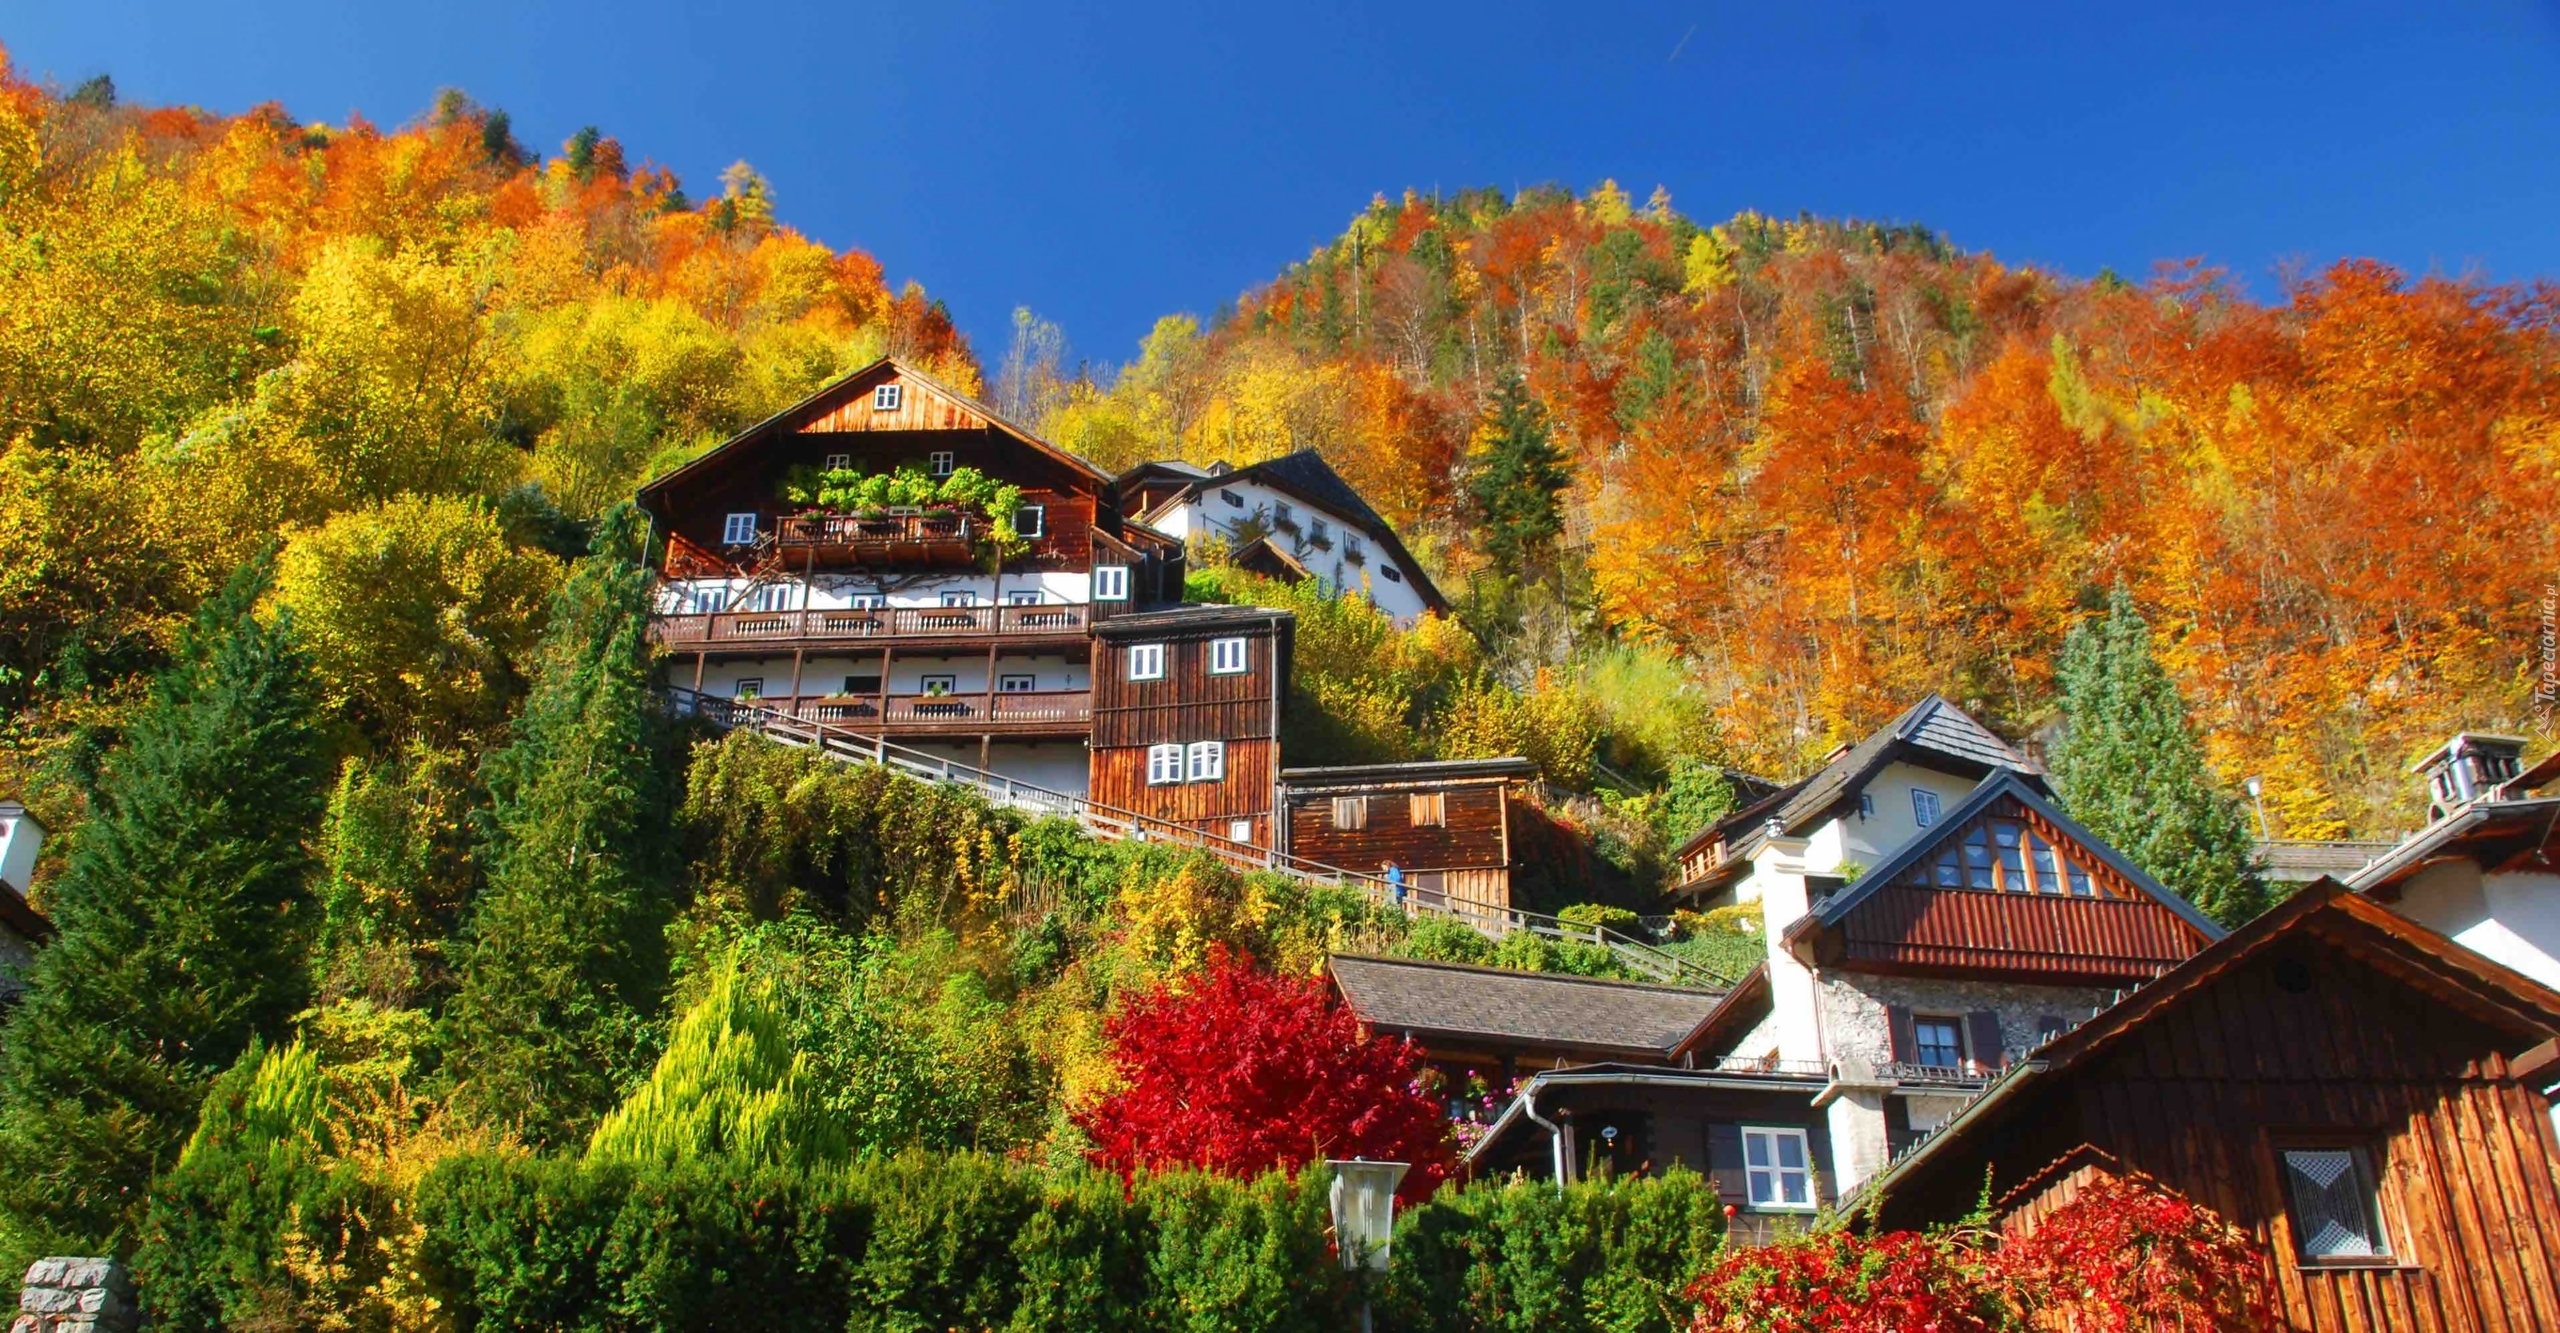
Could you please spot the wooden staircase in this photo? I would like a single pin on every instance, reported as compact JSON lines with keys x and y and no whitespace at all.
{"x":845,"y":745}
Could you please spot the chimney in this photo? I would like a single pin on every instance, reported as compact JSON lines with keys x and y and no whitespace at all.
{"x":21,"y":837}
{"x":2468,"y":768}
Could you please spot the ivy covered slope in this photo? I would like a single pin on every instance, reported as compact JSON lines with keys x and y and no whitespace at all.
{"x":1824,"y":467}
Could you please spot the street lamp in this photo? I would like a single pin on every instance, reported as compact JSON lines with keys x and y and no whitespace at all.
{"x":2257,"y":796}
{"x":1364,"y":1215}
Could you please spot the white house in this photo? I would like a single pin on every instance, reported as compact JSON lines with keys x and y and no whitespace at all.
{"x":1292,"y":517}
{"x":2486,"y":871}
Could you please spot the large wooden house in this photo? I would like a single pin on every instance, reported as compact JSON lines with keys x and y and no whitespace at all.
{"x":2366,"y":1097}
{"x":1443,"y":825}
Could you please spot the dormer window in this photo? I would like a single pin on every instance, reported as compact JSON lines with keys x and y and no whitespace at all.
{"x":939,"y":462}
{"x":887,"y":397}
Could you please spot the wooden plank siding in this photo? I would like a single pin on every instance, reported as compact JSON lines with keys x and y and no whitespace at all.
{"x":2314,"y":1045}
{"x":1190,"y":703}
{"x":1926,"y":929}
{"x":1473,"y":837}
{"x":1120,"y":779}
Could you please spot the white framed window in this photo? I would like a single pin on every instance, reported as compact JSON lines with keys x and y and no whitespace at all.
{"x":748,"y":687}
{"x":1777,"y":1167}
{"x":2336,"y":1212}
{"x":1110,"y":583}
{"x":1022,"y":599}
{"x":1282,"y":513}
{"x":1924,"y":806}
{"x":1350,"y":812}
{"x":963,"y":598}
{"x":1226,"y":657}
{"x":839,"y":462}
{"x":1164,"y":765}
{"x":1031,"y":520}
{"x":1146,"y":661}
{"x":869,"y":601}
{"x":938,"y":462}
{"x":1352,"y":547}
{"x":1316,"y":529}
{"x":1239,"y":830}
{"x":738,"y":530}
{"x":887,"y":397}
{"x":1015,"y":684}
{"x":940,"y":684}
{"x":1208,"y":761}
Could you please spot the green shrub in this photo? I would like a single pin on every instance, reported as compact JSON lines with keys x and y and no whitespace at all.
{"x":1606,"y":1256}
{"x":1590,"y":915}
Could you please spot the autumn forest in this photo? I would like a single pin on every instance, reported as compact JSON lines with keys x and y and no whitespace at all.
{"x":1802,"y":469}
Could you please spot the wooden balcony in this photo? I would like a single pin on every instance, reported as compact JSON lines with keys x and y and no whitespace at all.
{"x":932,"y":537}
{"x":1015,"y":713}
{"x":954,"y":626}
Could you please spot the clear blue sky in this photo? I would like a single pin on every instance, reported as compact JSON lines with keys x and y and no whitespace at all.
{"x":1107,"y":168}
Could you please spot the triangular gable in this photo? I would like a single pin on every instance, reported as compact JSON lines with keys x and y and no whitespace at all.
{"x":844,"y":406}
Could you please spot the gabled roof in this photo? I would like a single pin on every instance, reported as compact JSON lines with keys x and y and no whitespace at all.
{"x":1307,"y":476}
{"x":1929,"y":729}
{"x":842,"y":390}
{"x":2411,"y":953}
{"x":1419,"y":770}
{"x":1832,"y":907}
{"x":1496,"y":1006}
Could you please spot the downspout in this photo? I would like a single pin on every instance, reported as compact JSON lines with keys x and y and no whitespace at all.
{"x":1555,"y":1132}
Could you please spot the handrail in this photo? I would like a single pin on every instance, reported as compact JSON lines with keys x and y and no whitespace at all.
{"x":834,"y":739}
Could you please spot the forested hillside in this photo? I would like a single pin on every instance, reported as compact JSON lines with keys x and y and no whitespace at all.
{"x":1827,"y":466}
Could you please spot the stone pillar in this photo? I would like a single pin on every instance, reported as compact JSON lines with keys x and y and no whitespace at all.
{"x":69,"y":1295}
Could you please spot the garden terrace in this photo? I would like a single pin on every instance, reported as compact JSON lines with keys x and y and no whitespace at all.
{"x":934,"y":537}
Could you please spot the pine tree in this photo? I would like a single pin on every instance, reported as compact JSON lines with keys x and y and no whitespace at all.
{"x":2128,"y":766}
{"x":730,"y":1085}
{"x":1519,"y":478}
{"x":565,"y":962}
{"x":182,"y":914}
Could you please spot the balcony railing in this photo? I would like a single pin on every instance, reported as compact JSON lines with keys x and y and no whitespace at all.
{"x":930,"y":537}
{"x":868,"y":624}
{"x":1017,"y":710}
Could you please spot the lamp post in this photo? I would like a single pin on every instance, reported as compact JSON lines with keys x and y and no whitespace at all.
{"x":2257,"y":797}
{"x":1364,"y":1216}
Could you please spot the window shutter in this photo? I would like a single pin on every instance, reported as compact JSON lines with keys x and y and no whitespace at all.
{"x":1906,"y":1048}
{"x":1983,"y":1030}
{"x":1724,"y":1162}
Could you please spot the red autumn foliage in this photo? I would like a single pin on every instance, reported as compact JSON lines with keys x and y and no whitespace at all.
{"x":1239,"y":1072}
{"x":2119,"y":1258}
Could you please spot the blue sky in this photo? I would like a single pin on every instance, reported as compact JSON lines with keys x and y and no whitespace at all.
{"x":1107,"y":167}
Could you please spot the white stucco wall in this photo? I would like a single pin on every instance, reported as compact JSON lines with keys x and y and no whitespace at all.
{"x":1209,"y":512}
{"x":2512,"y":917}
{"x":1059,"y":766}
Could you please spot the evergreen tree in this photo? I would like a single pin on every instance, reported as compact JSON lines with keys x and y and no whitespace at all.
{"x":2127,"y":766}
{"x":1519,"y":479}
{"x":565,"y":960}
{"x":182,"y":913}
{"x":730,"y":1085}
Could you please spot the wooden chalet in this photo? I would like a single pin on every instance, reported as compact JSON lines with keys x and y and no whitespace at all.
{"x":2368,"y":1098}
{"x":1186,"y":720}
{"x":1446,"y":824}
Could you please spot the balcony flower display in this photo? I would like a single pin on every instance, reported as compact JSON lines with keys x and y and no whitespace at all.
{"x":872,"y":495}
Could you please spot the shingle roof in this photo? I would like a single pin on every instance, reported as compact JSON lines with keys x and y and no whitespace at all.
{"x":1400,"y":995}
{"x":1306,"y":475}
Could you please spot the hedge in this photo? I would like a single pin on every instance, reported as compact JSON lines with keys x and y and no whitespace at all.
{"x":939,"y":1241}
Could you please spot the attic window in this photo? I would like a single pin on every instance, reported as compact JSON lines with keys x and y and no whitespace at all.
{"x":2336,"y":1215}
{"x":2008,"y":857}
{"x":1924,"y":806}
{"x":886,"y":397}
{"x":938,"y":462}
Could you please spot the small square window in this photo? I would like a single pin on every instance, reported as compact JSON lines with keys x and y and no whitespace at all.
{"x":1239,"y":830}
{"x":1777,"y":1167}
{"x":1031,"y":520}
{"x":2336,"y":1214}
{"x":1111,"y":583}
{"x":869,"y":601}
{"x":839,"y":462}
{"x":1924,"y":806}
{"x":887,"y":397}
{"x":1428,"y":809}
{"x":739,"y":530}
{"x":959,"y":599}
{"x":1226,"y":657}
{"x":1146,"y":661}
{"x":1015,"y":684}
{"x":1393,"y":574}
{"x":1234,"y":501}
{"x":940,"y":684}
{"x":1208,"y":761}
{"x":1022,"y":599}
{"x":748,"y":687}
{"x":1316,"y":529}
{"x":1939,"y":1042}
{"x":1164,"y":765}
{"x":938,"y":463}
{"x":1350,"y":812}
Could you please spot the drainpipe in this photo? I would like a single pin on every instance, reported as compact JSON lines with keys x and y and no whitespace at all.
{"x":1555,"y":1132}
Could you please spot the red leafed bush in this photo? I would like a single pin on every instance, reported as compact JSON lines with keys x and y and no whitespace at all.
{"x":2120,"y":1258}
{"x":1240,"y":1072}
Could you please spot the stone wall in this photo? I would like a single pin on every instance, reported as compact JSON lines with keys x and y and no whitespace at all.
{"x":1855,"y":1024}
{"x":69,"y":1295}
